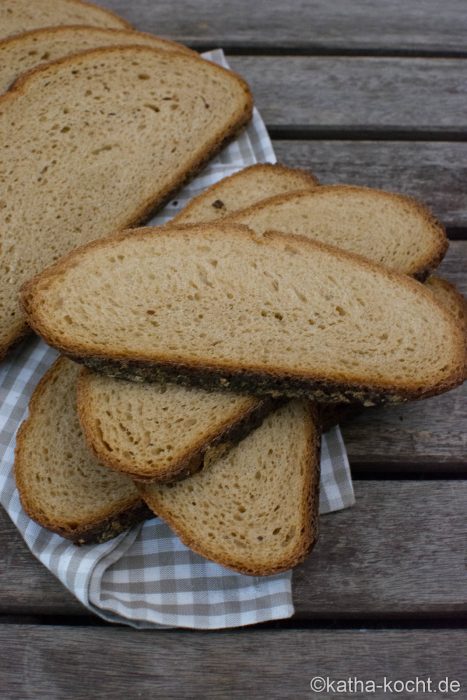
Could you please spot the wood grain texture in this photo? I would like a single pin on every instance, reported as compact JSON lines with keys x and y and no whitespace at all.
{"x":351,"y":93}
{"x":299,"y":24}
{"x":112,"y":663}
{"x":400,"y":550}
{"x":436,"y":173}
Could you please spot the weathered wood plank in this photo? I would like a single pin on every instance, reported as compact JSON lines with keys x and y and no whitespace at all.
{"x":363,"y":94}
{"x":400,"y":550}
{"x":75,"y":663}
{"x":427,"y":25}
{"x":436,"y":173}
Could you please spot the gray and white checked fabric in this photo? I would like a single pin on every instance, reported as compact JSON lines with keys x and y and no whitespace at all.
{"x":146,"y":577}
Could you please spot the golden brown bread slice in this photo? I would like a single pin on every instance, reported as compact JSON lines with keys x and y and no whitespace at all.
{"x":453,"y":301}
{"x":222,"y":307}
{"x":94,"y":142}
{"x":18,"y":16}
{"x":24,"y":52}
{"x":162,"y":432}
{"x":255,"y":510}
{"x":140,"y":441}
{"x":243,"y":189}
{"x":61,"y":485}
{"x":391,"y":229}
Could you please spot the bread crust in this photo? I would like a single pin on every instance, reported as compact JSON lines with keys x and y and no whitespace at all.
{"x":217,"y":375}
{"x":104,"y":525}
{"x":196,"y":457}
{"x":307,"y":177}
{"x":309,"y":506}
{"x":161,"y":196}
{"x":432,"y":257}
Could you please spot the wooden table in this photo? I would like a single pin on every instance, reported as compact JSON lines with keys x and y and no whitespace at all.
{"x":367,"y":92}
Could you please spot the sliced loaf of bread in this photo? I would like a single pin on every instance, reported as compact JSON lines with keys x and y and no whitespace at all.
{"x":255,"y":510}
{"x":18,"y":16}
{"x":24,"y":52}
{"x":391,"y":229}
{"x":93,"y":143}
{"x":243,"y":189}
{"x":224,"y":308}
{"x":162,"y":432}
{"x":60,"y":484}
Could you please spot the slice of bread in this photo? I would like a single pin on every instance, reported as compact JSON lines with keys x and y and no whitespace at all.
{"x":93,"y":143}
{"x":60,"y":484}
{"x":18,"y":16}
{"x":162,"y":432}
{"x":391,"y":229}
{"x":256,"y":509}
{"x":130,"y":427}
{"x":243,"y":189}
{"x":225,"y":308}
{"x":454,"y":302}
{"x":27,"y":51}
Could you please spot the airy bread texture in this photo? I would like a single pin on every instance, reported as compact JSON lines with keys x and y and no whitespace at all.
{"x":391,"y":229}
{"x":161,"y":432}
{"x":27,"y":51}
{"x":225,"y":308}
{"x":243,"y":189}
{"x":93,"y":143}
{"x":256,"y":509}
{"x":60,"y":484}
{"x":22,"y":15}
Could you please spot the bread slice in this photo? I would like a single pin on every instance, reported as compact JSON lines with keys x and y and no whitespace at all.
{"x":93,"y":143}
{"x":60,"y":484}
{"x":222,"y":307}
{"x":130,"y":427}
{"x":18,"y":16}
{"x":27,"y":51}
{"x":256,"y":509}
{"x":162,"y":432}
{"x":243,"y":189}
{"x":391,"y":229}
{"x":450,"y":297}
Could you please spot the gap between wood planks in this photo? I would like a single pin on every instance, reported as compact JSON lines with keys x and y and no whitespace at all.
{"x":379,"y":621}
{"x":318,"y":132}
{"x":311,"y":51}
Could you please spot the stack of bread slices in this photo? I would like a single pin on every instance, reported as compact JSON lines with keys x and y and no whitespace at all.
{"x":201,"y":360}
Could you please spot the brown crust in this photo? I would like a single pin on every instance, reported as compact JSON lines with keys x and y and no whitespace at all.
{"x":104,"y":525}
{"x":310,"y":507}
{"x":195,"y":457}
{"x":238,"y":121}
{"x":307,"y":177}
{"x":251,"y":379}
{"x":429,"y":262}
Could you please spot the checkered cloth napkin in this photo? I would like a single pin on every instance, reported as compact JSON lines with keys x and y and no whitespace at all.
{"x":146,"y":577}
